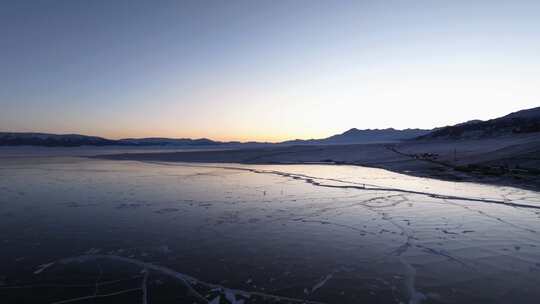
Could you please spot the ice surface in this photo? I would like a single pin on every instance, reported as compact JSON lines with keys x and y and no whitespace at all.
{"x":76,"y":229}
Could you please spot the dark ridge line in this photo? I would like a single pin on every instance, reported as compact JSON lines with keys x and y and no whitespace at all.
{"x":311,"y":180}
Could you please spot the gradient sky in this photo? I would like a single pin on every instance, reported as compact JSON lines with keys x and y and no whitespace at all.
{"x":263,"y":70}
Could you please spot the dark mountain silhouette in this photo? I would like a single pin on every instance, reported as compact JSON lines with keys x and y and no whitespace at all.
{"x":73,"y":140}
{"x":51,"y":140}
{"x":352,"y":136}
{"x":524,"y":121}
{"x":356,"y":136}
{"x":159,"y":141}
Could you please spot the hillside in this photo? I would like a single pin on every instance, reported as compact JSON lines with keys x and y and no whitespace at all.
{"x":51,"y":140}
{"x":525,"y":121}
{"x":521,"y":122}
{"x":352,"y":136}
{"x":369,"y":136}
{"x":74,"y":140}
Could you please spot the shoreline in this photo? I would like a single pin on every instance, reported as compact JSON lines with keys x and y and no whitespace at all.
{"x":380,"y":156}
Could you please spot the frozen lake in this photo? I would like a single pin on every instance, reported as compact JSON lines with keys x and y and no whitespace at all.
{"x":79,"y":230}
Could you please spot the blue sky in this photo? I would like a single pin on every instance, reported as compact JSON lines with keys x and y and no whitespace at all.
{"x":263,"y":70}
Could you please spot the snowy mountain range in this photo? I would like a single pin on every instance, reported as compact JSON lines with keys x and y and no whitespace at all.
{"x":525,"y":121}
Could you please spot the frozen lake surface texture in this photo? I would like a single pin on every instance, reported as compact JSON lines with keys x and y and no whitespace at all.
{"x":80,"y":230}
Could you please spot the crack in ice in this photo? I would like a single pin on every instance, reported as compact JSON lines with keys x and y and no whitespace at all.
{"x":313,"y":180}
{"x":187,"y":281}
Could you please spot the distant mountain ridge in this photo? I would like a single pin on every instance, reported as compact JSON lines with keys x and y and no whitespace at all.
{"x":161,"y":141}
{"x":74,"y":140}
{"x":524,"y":121}
{"x":51,"y":140}
{"x":354,"y":136}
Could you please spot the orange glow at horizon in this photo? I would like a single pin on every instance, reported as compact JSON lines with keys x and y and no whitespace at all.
{"x":241,"y":137}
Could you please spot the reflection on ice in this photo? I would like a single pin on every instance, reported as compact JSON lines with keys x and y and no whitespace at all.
{"x":77,"y":229}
